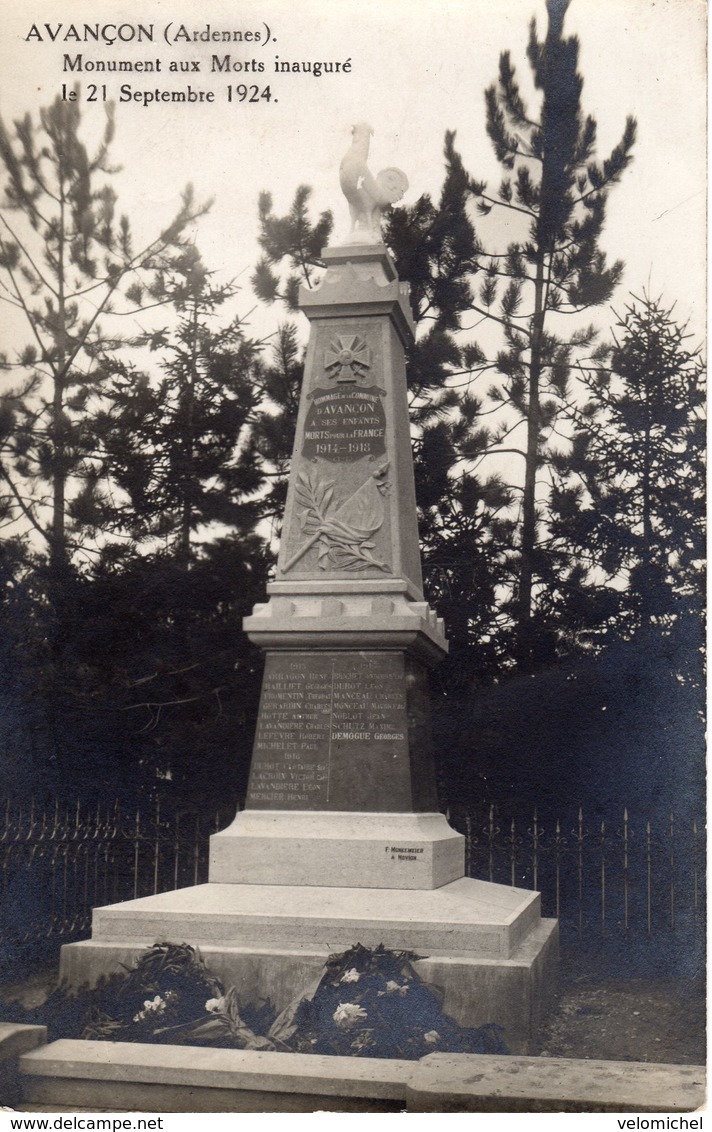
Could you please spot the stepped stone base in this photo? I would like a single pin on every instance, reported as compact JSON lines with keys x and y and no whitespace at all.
{"x":468,"y":918}
{"x":484,"y":945}
{"x":513,"y":993}
{"x":344,"y":850}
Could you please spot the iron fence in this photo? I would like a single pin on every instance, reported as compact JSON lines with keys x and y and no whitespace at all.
{"x":628,"y":877}
{"x":641,"y":874}
{"x":58,"y":862}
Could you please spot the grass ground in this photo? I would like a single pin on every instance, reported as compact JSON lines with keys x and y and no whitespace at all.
{"x":655,"y":1020}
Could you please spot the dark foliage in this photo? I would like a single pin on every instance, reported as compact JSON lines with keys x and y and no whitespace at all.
{"x":137,"y":680}
{"x":629,"y":505}
{"x":177,"y":445}
{"x":617,"y":729}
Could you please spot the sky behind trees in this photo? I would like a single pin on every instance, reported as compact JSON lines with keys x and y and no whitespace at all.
{"x":417,"y":69}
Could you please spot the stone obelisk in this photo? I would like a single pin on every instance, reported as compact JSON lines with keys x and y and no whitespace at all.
{"x":342,"y":787}
{"x":340,"y":841}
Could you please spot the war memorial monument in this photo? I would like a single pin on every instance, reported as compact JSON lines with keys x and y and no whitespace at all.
{"x":341,"y":841}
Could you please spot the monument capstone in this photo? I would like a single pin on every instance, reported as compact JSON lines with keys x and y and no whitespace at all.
{"x":341,"y":840}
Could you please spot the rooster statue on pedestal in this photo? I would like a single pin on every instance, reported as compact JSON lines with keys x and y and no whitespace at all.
{"x":367,"y":195}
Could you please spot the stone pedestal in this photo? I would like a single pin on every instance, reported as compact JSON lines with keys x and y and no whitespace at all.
{"x":338,"y":850}
{"x":340,"y":841}
{"x":485,"y":946}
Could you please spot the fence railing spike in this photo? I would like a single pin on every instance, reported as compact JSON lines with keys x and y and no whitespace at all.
{"x":71,"y":856}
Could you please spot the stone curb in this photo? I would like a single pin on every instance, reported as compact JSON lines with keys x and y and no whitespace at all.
{"x":471,"y":1083}
{"x":16,"y":1040}
{"x":186,"y":1079}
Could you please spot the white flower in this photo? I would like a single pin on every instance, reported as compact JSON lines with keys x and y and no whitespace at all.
{"x":151,"y":1006}
{"x":351,"y":976}
{"x":432,"y":1037}
{"x":215,"y":1005}
{"x":392,"y":987}
{"x":347,"y":1014}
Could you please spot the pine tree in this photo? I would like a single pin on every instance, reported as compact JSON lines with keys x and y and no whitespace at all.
{"x":292,"y":246}
{"x":67,"y":262}
{"x":295,"y":239}
{"x":158,"y":685}
{"x":557,"y":192}
{"x":464,"y":511}
{"x":279,"y":380}
{"x":177,"y":442}
{"x":165,"y":663}
{"x":630,"y":504}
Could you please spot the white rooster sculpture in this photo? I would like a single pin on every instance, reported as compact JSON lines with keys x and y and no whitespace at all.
{"x":367,"y":195}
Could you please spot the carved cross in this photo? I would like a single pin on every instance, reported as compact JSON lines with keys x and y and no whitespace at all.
{"x":347,"y":358}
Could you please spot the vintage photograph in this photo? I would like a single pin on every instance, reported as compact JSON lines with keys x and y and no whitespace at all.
{"x":352,"y":558}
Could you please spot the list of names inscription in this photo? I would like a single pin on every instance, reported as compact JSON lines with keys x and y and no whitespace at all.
{"x":317,"y":712}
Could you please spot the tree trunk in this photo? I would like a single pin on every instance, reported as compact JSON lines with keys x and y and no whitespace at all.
{"x":58,"y":542}
{"x":646,"y":579}
{"x":186,"y":519}
{"x":527,"y":547}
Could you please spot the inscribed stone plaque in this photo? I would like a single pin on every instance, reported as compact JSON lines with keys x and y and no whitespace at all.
{"x":345,"y":424}
{"x":333,"y":734}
